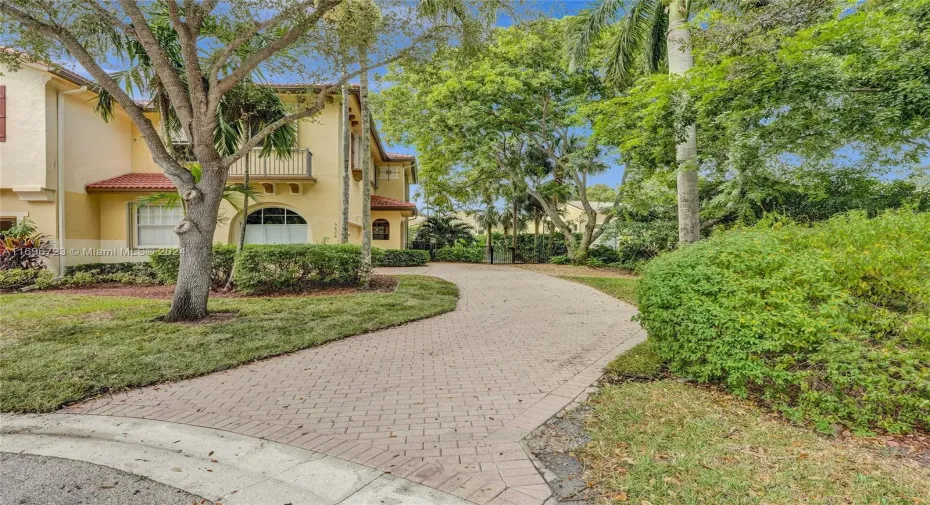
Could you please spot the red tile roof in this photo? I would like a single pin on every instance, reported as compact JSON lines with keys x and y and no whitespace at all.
{"x":133,"y":182}
{"x":159,"y":182}
{"x":385,"y":203}
{"x":400,"y":156}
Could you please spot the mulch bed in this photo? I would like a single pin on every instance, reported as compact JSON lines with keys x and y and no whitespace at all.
{"x":379,"y":284}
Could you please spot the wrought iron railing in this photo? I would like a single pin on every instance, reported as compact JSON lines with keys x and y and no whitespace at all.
{"x":298,"y":164}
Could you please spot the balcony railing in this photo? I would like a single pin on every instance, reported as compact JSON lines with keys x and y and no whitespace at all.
{"x":298,"y":164}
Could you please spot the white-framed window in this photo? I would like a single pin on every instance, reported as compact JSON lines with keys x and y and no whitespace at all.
{"x":275,"y":225}
{"x":153,"y":225}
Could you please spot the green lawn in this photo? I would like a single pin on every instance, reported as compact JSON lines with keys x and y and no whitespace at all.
{"x":60,"y":348}
{"x":622,"y":288}
{"x":665,"y":442}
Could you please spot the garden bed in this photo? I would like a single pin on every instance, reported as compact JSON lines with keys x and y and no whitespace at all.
{"x":379,"y":284}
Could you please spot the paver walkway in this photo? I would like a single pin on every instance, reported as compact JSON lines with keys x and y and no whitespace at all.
{"x":442,"y":402}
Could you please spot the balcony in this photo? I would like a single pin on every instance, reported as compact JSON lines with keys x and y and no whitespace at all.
{"x":298,"y":165}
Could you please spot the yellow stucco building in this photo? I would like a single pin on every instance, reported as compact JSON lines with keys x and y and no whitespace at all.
{"x":54,"y":149}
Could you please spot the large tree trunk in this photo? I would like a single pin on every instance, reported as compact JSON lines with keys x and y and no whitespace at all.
{"x":346,"y":153}
{"x":195,"y":232}
{"x":680,"y":60}
{"x":365,"y":274}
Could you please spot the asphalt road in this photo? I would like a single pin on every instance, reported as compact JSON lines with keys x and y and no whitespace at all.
{"x":40,"y":480}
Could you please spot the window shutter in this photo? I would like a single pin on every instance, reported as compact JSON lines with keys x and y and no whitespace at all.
{"x":2,"y":113}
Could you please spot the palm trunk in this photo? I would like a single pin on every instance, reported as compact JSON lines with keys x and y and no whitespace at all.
{"x":344,"y":237}
{"x":195,"y":233}
{"x":365,"y":274}
{"x":680,"y":60}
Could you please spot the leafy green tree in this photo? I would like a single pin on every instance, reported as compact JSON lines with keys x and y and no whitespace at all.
{"x":484,"y":114}
{"x":212,"y":42}
{"x":602,"y":193}
{"x":644,"y":35}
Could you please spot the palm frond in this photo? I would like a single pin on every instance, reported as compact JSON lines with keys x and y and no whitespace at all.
{"x":167,"y":199}
{"x":626,"y":45}
{"x":585,"y":28}
{"x":655,"y":45}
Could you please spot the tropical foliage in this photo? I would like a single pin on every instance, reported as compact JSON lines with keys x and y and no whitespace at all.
{"x":444,"y":231}
{"x":827,"y":323}
{"x":23,"y":248}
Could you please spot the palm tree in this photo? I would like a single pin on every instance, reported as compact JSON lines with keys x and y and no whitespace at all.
{"x":650,"y":32}
{"x":487,"y":218}
{"x":443,"y":230}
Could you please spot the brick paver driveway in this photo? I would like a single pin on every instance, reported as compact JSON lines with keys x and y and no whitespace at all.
{"x":443,"y":401}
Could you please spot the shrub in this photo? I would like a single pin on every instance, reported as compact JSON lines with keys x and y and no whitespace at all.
{"x":399,"y":257}
{"x":603,"y":254}
{"x":296,"y":267}
{"x":23,"y":248}
{"x":641,"y":241}
{"x":138,"y":268}
{"x":128,"y":272}
{"x":16,"y":278}
{"x":560,"y":260}
{"x":829,"y":323}
{"x":461,"y":254}
{"x":166,"y":263}
{"x":595,"y":263}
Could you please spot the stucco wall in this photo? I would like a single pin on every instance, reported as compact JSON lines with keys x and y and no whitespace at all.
{"x":23,"y":155}
{"x":94,"y":149}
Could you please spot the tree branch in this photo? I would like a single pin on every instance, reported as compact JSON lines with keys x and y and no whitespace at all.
{"x":244,"y":36}
{"x":256,"y":58}
{"x":163,"y":67}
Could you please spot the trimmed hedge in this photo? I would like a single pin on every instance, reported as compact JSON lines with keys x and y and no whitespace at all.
{"x":399,"y":257}
{"x":16,"y":278}
{"x":167,"y":262}
{"x":296,"y":267}
{"x":829,"y":323}
{"x":128,"y":272}
{"x":460,"y":254}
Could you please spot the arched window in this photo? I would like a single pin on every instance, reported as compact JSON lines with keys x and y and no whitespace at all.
{"x":274,"y":225}
{"x":381,"y":229}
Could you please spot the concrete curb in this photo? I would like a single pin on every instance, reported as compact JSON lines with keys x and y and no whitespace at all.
{"x":221,"y":466}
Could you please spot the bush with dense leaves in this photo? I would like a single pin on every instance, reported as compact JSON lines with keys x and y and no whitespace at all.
{"x":16,"y":278}
{"x":399,"y":257}
{"x":460,"y":254}
{"x":167,"y":262}
{"x":128,"y":272}
{"x":560,"y":260}
{"x":603,"y":254}
{"x":829,"y":323}
{"x":23,"y":248}
{"x":296,"y":267}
